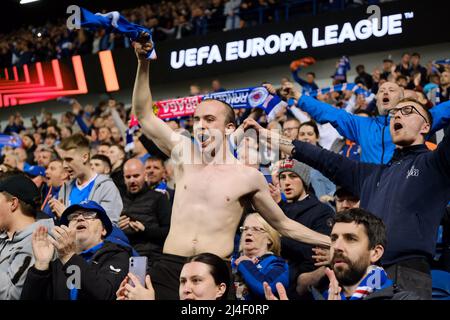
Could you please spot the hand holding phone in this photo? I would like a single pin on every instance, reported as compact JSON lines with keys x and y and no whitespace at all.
{"x":138,"y":267}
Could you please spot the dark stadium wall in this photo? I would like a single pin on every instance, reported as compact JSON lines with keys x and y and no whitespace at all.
{"x":409,"y":21}
{"x":418,"y":33}
{"x":244,"y":78}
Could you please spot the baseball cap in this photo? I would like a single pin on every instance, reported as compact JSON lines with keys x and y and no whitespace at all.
{"x":342,"y":192}
{"x":300,"y":169}
{"x":22,"y":187}
{"x":34,"y":171}
{"x":88,"y":206}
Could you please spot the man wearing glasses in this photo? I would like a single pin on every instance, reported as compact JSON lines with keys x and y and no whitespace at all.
{"x":372,"y":134}
{"x":409,"y":194}
{"x":290,"y":128}
{"x":86,"y":268}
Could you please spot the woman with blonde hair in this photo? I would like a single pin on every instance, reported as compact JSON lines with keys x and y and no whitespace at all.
{"x":259,"y":262}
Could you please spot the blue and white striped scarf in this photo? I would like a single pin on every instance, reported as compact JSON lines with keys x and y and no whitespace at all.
{"x":340,"y":87}
{"x":375,"y":280}
{"x":114,"y":22}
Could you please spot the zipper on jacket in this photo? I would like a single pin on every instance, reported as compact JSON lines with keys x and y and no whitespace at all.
{"x":382,"y":139}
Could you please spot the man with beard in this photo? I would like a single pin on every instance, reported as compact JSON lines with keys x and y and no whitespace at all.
{"x":409,"y":194}
{"x":358,"y":239}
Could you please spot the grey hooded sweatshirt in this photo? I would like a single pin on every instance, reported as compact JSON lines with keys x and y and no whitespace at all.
{"x":104,"y":192}
{"x":16,"y":257}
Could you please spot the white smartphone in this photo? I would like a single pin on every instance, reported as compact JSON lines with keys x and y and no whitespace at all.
{"x":138,"y":267}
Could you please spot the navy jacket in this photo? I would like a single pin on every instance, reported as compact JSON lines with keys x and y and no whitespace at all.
{"x":409,"y":194}
{"x":313,"y":214}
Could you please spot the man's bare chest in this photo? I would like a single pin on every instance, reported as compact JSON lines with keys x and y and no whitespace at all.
{"x":221,"y":185}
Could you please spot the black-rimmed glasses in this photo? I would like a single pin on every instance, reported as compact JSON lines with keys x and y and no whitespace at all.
{"x":406,"y":111}
{"x":87,"y":215}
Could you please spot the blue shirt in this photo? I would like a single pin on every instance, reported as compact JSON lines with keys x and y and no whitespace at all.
{"x":322,"y":185}
{"x":249,"y":277}
{"x":144,"y":157}
{"x":372,"y":134}
{"x":87,"y":255}
{"x":307,"y":87}
{"x":78,"y":194}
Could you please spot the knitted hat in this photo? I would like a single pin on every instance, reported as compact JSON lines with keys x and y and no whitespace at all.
{"x":300,"y":169}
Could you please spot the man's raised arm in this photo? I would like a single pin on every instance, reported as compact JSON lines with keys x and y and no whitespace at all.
{"x":272,"y":213}
{"x":347,"y":124}
{"x":153,"y":127}
{"x":339,"y":169}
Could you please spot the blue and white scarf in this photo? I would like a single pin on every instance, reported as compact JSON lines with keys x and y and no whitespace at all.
{"x":255,"y":97}
{"x":443,"y":61}
{"x":132,"y":128}
{"x":13,"y":140}
{"x":375,"y":280}
{"x":114,"y":22}
{"x":340,"y":87}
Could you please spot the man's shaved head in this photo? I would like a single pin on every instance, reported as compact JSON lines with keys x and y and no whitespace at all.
{"x":229,"y":112}
{"x":133,"y":174}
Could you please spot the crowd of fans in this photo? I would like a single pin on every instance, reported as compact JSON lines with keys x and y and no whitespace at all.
{"x":78,"y":190}
{"x":173,"y":19}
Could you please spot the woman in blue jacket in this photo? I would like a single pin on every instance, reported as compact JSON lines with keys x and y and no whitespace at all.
{"x":260,"y":261}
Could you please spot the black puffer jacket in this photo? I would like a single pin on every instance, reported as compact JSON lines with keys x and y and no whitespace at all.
{"x":152,"y":209}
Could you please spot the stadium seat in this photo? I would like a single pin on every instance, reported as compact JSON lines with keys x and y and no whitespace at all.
{"x":441,"y":285}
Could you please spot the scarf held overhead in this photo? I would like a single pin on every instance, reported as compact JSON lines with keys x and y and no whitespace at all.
{"x":255,"y":97}
{"x":114,"y":22}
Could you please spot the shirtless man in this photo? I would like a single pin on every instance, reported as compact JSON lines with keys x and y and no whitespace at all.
{"x":212,"y":186}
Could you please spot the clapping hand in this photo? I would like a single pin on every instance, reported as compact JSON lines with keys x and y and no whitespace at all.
{"x":57,"y":206}
{"x":43,"y":250}
{"x":275,"y":192}
{"x":281,"y":292}
{"x":334,"y":290}
{"x":64,"y":242}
